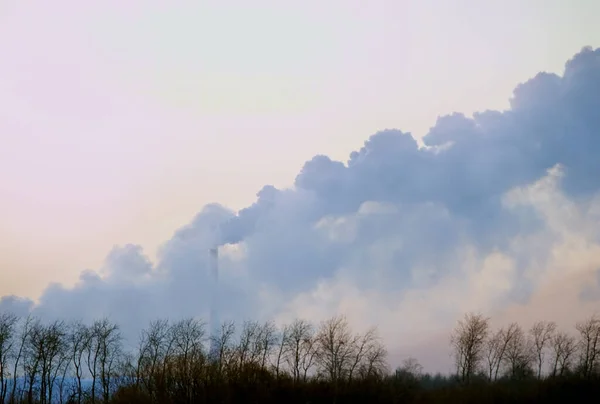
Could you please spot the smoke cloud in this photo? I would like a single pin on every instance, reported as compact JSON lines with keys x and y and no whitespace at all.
{"x":499,"y":212}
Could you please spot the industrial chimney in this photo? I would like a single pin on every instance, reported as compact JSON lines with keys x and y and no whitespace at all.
{"x":214,"y":322}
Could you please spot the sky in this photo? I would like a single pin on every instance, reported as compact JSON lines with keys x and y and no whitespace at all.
{"x":122,"y":123}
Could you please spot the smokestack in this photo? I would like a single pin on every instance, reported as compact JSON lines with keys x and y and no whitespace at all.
{"x":213,"y":267}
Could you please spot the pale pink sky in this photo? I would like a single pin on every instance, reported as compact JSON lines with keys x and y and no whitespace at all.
{"x":120,"y":120}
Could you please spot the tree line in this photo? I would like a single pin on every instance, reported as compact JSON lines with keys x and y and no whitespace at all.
{"x":511,"y":351}
{"x":179,"y":362}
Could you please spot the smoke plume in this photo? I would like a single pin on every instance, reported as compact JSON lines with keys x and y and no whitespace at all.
{"x":499,"y":212}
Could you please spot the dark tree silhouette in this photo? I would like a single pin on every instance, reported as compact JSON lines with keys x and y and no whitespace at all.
{"x":297,"y":363}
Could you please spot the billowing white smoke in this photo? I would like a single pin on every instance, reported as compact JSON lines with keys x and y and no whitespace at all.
{"x":499,"y":212}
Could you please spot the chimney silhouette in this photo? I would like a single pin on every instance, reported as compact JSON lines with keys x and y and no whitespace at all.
{"x":214,"y":321}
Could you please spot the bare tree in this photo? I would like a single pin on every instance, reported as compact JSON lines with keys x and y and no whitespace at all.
{"x":102,"y":350}
{"x":589,"y":345}
{"x":283,"y":336}
{"x":299,"y":346}
{"x":188,"y":339}
{"x":409,"y":371}
{"x":92,"y":353}
{"x":51,"y":344}
{"x":59,"y":358}
{"x":468,"y":342}
{"x":126,"y":369}
{"x":375,"y":364}
{"x":541,"y":333}
{"x":245,"y":347}
{"x":334,"y":348}
{"x":153,"y":346}
{"x":563,"y":347}
{"x":173,"y":365}
{"x":8,"y":323}
{"x":32,"y":358}
{"x":156,"y":343}
{"x":26,"y":327}
{"x":494,"y":351}
{"x":79,"y":344}
{"x":266,"y":340}
{"x":64,"y":367}
{"x":189,"y":336}
{"x":309,"y":354}
{"x":257,"y":348}
{"x":46,"y":349}
{"x":519,"y":354}
{"x":224,"y":345}
{"x":411,"y":366}
{"x":364,"y":345}
{"x":109,"y":338}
